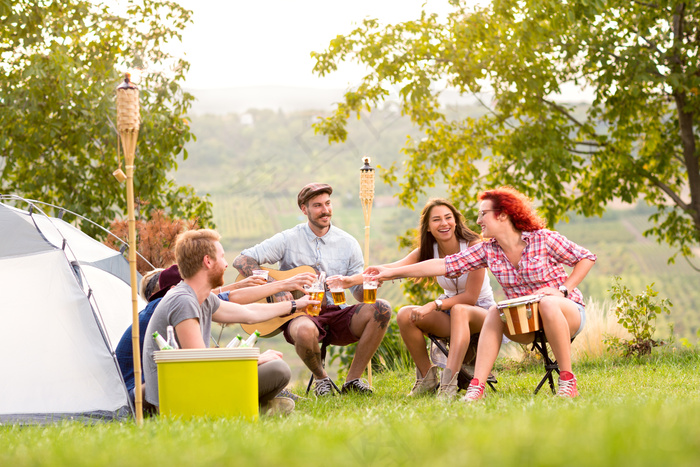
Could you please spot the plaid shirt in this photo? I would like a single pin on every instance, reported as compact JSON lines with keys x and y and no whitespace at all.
{"x":541,"y":264}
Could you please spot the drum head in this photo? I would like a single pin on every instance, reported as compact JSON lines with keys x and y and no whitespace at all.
{"x":519,"y":301}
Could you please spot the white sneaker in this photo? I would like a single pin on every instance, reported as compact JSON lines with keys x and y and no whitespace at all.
{"x":428,"y":383}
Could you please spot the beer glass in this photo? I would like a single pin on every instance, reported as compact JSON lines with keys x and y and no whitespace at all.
{"x":369,"y":289}
{"x":261,"y":272}
{"x":338,"y":294}
{"x":315,"y":292}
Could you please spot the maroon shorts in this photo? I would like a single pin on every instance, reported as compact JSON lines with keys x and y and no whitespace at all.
{"x":333,"y":325}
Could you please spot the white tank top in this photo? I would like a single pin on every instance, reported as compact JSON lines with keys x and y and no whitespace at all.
{"x":457,"y":285}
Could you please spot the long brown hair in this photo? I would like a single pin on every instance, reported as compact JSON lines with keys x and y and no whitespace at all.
{"x":427,"y":240}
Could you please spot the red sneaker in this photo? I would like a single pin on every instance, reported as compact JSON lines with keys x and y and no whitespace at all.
{"x":567,"y":388}
{"x":475,"y":391}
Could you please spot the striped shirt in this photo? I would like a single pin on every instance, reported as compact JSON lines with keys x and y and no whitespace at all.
{"x":541,"y":264}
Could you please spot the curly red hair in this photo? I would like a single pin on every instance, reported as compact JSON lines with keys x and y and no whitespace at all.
{"x":516,"y":205}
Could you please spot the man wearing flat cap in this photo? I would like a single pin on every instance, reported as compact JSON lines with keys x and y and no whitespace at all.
{"x":325,"y":247}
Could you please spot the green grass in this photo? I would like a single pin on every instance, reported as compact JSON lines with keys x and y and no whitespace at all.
{"x":631,"y":412}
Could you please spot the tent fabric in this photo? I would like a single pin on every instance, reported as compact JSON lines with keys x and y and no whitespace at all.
{"x":63,"y":311}
{"x":19,"y":237}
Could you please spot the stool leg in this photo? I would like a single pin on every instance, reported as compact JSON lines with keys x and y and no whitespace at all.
{"x":435,"y":340}
{"x":311,"y":380}
{"x":550,"y":366}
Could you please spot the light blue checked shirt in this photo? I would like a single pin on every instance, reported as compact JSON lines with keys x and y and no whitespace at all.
{"x":337,"y":252}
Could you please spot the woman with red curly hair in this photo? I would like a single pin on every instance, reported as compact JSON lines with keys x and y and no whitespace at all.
{"x":526,"y":259}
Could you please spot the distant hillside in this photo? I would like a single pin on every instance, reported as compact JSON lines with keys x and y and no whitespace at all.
{"x":237,"y":100}
{"x":287,"y":99}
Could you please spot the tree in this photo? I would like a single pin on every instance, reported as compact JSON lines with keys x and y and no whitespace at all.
{"x":61,"y":63}
{"x":156,"y":239}
{"x":637,"y":139}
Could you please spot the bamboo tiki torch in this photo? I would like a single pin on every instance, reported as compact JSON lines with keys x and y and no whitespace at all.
{"x":128,"y":121}
{"x":367,"y":197}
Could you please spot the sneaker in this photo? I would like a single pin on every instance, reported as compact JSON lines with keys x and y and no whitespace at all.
{"x":567,"y":388}
{"x":289,"y":394}
{"x":448,"y":385}
{"x":278,"y":406}
{"x":356,"y":385}
{"x":323,"y":387}
{"x":475,"y":391}
{"x":428,"y":383}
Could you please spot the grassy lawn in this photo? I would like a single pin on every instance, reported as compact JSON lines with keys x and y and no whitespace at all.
{"x":631,"y":412}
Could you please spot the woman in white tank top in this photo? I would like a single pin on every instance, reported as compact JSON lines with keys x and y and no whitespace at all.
{"x":458,"y":313}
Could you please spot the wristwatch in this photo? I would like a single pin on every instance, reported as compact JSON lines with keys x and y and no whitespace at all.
{"x":564,"y":290}
{"x":438,"y":304}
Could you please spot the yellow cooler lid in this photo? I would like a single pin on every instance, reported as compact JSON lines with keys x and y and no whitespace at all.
{"x":206,"y":355}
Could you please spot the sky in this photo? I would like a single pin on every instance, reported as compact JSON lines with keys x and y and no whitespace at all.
{"x":236,"y":43}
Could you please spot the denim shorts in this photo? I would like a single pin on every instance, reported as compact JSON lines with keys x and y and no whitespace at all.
{"x":582,"y":312}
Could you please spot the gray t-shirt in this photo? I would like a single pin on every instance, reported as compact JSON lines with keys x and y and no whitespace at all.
{"x":179,"y":304}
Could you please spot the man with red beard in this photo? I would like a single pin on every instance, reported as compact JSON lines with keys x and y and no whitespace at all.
{"x":320,"y":244}
{"x":190,"y":307}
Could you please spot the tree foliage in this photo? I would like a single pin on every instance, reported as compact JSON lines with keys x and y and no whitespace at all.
{"x":637,"y":139}
{"x":61,"y":63}
{"x":156,"y":239}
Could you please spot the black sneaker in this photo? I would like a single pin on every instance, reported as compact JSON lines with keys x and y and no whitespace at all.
{"x":323,"y":387}
{"x":358,"y":386}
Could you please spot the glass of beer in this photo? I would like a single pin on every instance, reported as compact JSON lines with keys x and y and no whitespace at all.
{"x":369,"y":288}
{"x":338,"y":294}
{"x":315,"y":292}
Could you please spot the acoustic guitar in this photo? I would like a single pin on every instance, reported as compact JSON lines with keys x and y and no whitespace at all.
{"x":272,"y":326}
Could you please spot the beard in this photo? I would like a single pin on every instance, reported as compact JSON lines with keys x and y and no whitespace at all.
{"x":216,"y":277}
{"x":316,"y":222}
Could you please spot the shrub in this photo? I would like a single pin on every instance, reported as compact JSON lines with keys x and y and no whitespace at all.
{"x":637,"y":314}
{"x":155,"y":238}
{"x":392,"y":353}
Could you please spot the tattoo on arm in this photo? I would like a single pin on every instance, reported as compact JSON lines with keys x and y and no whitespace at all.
{"x":282,"y":296}
{"x":245,"y":265}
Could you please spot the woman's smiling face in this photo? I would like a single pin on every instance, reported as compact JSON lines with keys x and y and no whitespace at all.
{"x":441,"y":223}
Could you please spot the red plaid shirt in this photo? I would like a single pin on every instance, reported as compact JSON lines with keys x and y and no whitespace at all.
{"x":541,"y":264}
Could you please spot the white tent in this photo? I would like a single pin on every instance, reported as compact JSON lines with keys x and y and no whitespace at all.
{"x":65,"y":300}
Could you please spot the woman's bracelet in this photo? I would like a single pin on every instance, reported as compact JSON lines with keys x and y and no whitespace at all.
{"x":294,"y":307}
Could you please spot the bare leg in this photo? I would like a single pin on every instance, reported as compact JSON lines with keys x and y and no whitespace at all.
{"x":304,"y":333}
{"x":465,"y":320}
{"x":561,"y":319}
{"x":489,"y":344}
{"x":369,"y":324}
{"x":412,"y":333}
